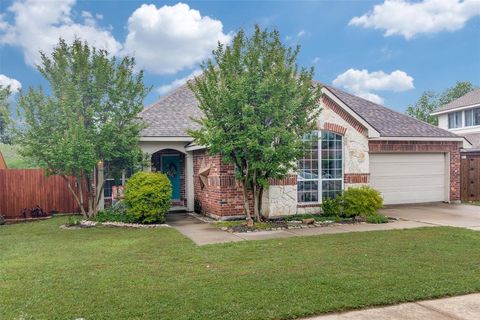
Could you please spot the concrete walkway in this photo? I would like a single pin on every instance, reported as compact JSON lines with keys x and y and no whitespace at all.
{"x":203,"y":233}
{"x":465,"y":307}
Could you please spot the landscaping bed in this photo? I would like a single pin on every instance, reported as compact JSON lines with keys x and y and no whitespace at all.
{"x":294,"y":222}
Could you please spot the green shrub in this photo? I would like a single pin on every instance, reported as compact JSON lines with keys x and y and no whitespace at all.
{"x":363,"y":201}
{"x":331,"y":207}
{"x":377,"y":218}
{"x":115,"y":213}
{"x":148,"y":197}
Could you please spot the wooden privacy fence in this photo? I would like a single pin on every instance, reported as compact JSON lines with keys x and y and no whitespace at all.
{"x":28,"y":188}
{"x":470,"y":176}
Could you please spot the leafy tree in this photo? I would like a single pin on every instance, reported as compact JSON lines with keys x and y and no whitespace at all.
{"x":257,"y":105}
{"x":89,"y":119}
{"x":430,"y":101}
{"x":422,"y":109}
{"x":4,"y":115}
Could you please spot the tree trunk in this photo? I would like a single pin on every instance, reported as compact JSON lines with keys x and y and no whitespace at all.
{"x":78,"y":197}
{"x":256,"y":199}
{"x":260,"y":197}
{"x":246,"y":205}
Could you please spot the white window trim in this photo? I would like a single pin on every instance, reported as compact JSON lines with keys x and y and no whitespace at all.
{"x":319,"y":178}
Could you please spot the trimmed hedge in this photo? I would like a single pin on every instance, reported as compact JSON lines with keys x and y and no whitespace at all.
{"x":362,"y":201}
{"x":148,"y":197}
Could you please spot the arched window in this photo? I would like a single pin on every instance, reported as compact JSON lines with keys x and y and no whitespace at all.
{"x":320,"y":171}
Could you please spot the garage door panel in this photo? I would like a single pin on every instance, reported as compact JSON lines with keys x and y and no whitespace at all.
{"x":409,"y":177}
{"x":421,"y":182}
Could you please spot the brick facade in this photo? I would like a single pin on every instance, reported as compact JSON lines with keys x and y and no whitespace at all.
{"x":330,"y":104}
{"x":450,"y":147}
{"x":353,"y":178}
{"x":223,"y":195}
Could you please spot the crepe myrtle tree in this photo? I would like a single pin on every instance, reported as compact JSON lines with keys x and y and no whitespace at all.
{"x":88,"y":118}
{"x":257,"y":104}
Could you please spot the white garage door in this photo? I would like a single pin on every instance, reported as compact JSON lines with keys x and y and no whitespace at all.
{"x":409,"y":177}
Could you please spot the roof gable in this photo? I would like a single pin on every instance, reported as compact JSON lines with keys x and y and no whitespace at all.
{"x":470,"y":99}
{"x":387,"y":122}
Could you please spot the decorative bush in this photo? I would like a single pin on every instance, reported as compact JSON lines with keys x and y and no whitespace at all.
{"x":363,"y":201}
{"x":331,"y":207}
{"x":148,"y":197}
{"x":115,"y":213}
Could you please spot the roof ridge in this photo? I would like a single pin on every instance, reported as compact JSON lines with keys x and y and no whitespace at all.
{"x":169,"y":94}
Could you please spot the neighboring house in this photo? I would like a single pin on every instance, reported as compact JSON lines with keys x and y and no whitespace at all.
{"x":3,"y":164}
{"x":360,"y":143}
{"x":462,"y":116}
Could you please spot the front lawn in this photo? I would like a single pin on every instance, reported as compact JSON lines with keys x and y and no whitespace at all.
{"x":112,"y":273}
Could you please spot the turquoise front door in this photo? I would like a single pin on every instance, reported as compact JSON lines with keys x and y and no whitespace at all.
{"x":171,"y":167}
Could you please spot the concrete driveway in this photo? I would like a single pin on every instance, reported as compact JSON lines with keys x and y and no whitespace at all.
{"x":442,"y":214}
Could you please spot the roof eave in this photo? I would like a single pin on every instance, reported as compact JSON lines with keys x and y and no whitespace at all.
{"x":371,"y":131}
{"x":436,"y":113}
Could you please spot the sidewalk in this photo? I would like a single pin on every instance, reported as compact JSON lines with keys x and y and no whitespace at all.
{"x":203,"y":233}
{"x":465,"y":307}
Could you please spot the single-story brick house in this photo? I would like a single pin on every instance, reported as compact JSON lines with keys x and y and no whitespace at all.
{"x":360,"y":143}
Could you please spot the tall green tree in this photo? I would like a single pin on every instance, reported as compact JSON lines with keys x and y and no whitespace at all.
{"x":430,"y":101}
{"x":257,"y":105}
{"x":89,"y":119}
{"x":5,"y":120}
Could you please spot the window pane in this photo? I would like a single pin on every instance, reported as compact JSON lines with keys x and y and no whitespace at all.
{"x":451,"y":120}
{"x":458,"y":119}
{"x":469,"y":118}
{"x":476,"y":117}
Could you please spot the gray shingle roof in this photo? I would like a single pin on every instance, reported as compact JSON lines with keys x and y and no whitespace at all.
{"x":474,"y":139}
{"x":387,"y":122}
{"x":172,"y":115}
{"x":471,"y":98}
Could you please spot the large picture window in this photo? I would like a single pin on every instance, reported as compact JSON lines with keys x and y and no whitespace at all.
{"x":320,"y":171}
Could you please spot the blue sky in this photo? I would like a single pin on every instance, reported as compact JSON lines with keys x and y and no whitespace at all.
{"x":387,"y":51}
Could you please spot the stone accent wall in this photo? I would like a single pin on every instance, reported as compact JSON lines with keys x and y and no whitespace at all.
{"x":280,"y":200}
{"x":355,"y":139}
{"x":451,"y":147}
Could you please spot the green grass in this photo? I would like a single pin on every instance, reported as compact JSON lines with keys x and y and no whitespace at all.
{"x":111,"y":273}
{"x":475,"y":203}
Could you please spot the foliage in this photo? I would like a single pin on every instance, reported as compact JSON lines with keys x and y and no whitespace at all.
{"x":377,"y":218}
{"x":331,"y":207}
{"x":430,"y":101}
{"x":362,"y":201}
{"x":115,"y":213}
{"x":5,"y":120}
{"x":294,"y":276}
{"x":148,"y":197}
{"x":72,"y":221}
{"x":14,"y":159}
{"x":90,"y":117}
{"x":257,"y":104}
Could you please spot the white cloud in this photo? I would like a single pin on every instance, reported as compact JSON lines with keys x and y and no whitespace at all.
{"x":400,"y":17}
{"x":171,"y":38}
{"x":177,"y":83}
{"x":14,"y":84}
{"x":316,"y":60}
{"x":37,"y":25}
{"x":362,"y":82}
{"x":301,"y":33}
